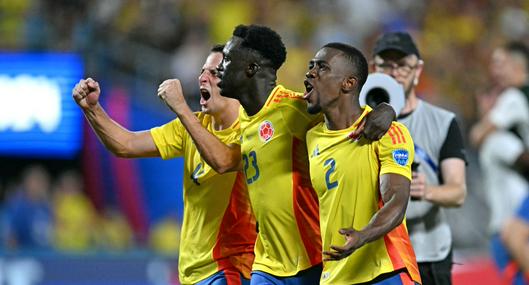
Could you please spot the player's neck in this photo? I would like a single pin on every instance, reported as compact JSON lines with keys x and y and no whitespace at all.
{"x":342,"y":116}
{"x":226,"y":117}
{"x":256,"y":95}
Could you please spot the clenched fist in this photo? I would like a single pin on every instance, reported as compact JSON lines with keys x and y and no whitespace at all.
{"x":86,"y":93}
{"x":170,"y":91}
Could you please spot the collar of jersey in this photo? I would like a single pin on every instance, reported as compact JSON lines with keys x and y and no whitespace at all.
{"x":366,"y":111}
{"x":228,"y":130}
{"x":268,"y":101}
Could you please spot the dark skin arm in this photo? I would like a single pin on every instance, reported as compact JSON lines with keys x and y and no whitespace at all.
{"x":395,"y":191}
{"x":378,"y":122}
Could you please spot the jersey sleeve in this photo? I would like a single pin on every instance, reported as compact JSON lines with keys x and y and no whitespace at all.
{"x":169,"y":139}
{"x":395,"y":151}
{"x":510,"y":109}
{"x":303,"y":121}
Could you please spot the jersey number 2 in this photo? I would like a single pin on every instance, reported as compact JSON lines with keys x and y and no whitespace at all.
{"x":330,"y":162}
{"x":251,"y":158}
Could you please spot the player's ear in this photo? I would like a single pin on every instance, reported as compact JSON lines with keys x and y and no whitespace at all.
{"x":349,"y":84}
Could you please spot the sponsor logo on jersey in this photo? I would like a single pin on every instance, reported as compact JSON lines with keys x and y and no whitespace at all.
{"x":266,"y":131}
{"x":400,"y":156}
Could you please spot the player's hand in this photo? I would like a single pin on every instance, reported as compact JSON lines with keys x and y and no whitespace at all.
{"x":86,"y":93}
{"x":358,"y":131}
{"x":170,"y":91}
{"x":353,"y":241}
{"x":378,"y":122}
{"x":418,"y":187}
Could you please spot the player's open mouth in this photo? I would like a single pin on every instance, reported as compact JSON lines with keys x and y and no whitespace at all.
{"x":308,"y":89}
{"x":204,"y":96}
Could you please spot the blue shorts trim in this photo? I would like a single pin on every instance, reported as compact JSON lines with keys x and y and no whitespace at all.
{"x":401,"y":278}
{"x":225,"y":277}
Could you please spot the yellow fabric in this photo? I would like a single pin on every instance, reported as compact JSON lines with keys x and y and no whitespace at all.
{"x":345,"y":174}
{"x":206,"y":198}
{"x":272,"y":145}
{"x":74,"y":222}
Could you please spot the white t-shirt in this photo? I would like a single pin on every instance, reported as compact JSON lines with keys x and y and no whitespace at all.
{"x":512,"y":111}
{"x":505,"y":188}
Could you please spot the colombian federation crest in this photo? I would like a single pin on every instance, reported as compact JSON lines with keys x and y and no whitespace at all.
{"x":266,"y":131}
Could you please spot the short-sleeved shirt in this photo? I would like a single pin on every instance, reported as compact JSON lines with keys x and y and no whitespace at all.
{"x":277,"y":173}
{"x":218,"y":229}
{"x":346,"y":174}
{"x":505,"y":188}
{"x":511,"y":112}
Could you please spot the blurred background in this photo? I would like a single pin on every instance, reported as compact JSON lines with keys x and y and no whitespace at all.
{"x":69,"y":211}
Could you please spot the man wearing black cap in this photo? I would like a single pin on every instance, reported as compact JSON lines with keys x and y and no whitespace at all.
{"x":439,"y":180}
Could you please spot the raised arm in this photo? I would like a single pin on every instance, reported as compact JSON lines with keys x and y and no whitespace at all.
{"x":395,"y":191}
{"x":221,"y":157}
{"x":117,"y":139}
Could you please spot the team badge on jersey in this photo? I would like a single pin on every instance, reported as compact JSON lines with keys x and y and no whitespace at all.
{"x":400,"y":156}
{"x":266,"y":131}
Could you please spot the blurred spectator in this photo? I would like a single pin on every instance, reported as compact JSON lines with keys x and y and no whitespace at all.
{"x":503,"y":132}
{"x":28,"y":219}
{"x":165,"y":236}
{"x":509,"y":69}
{"x":74,"y":214}
{"x":114,"y":233}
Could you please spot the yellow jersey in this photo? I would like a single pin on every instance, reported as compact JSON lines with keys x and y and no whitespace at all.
{"x":276,"y":168}
{"x":345,"y":172}
{"x":218,"y":229}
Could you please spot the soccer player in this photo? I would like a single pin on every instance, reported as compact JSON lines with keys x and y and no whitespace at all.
{"x":363,"y":186}
{"x":218,"y":231}
{"x":274,"y":121}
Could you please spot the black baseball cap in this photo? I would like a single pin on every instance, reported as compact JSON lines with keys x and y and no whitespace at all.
{"x":400,"y":41}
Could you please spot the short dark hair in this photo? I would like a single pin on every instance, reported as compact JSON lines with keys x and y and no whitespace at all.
{"x":516,"y":47}
{"x":355,"y":57}
{"x":217,"y":48}
{"x":263,"y":40}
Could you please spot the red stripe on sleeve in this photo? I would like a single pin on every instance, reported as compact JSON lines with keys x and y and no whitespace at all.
{"x":392,"y":135}
{"x":401,"y":134}
{"x":396,"y":134}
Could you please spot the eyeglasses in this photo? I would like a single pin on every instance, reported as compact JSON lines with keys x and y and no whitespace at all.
{"x":402,"y":68}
